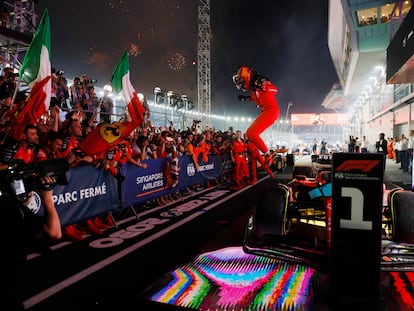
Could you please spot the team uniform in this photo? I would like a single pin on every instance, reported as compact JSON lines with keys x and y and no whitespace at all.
{"x":263,"y":94}
{"x":254,"y":157}
{"x":241,"y":169}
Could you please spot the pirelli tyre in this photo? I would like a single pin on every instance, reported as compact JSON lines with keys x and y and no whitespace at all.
{"x":271,"y":212}
{"x":401,"y":205}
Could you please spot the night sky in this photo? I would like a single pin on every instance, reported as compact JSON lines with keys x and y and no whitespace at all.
{"x":284,"y":40}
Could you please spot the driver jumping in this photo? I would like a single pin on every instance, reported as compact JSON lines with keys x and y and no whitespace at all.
{"x":263,"y":94}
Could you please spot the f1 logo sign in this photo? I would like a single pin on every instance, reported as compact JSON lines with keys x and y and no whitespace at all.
{"x":364,"y":166}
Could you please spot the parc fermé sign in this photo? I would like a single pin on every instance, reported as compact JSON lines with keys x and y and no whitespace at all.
{"x":355,"y":254}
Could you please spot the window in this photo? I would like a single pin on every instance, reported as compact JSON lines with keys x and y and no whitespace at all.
{"x":386,"y":10}
{"x":406,"y":7}
{"x":367,"y":17}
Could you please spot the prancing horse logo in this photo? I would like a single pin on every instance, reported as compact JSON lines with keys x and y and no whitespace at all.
{"x":111,"y":132}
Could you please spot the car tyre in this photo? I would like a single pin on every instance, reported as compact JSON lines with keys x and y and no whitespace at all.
{"x":271,"y":212}
{"x":402,"y":216}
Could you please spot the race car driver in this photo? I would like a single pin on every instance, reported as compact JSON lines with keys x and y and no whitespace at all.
{"x":263,"y":94}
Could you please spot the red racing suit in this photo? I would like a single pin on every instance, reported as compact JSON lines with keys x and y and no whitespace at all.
{"x":264,"y":97}
{"x":241,"y":169}
{"x":254,"y":156}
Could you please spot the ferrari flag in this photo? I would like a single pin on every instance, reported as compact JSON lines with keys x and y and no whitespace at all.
{"x":36,"y":72}
{"x":107,"y":136}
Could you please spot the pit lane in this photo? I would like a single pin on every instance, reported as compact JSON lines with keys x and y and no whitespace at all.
{"x":115,"y":269}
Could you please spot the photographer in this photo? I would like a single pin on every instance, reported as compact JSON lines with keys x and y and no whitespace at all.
{"x":7,"y":83}
{"x":106,"y":107}
{"x":87,"y":82}
{"x":19,"y":226}
{"x":77,"y":92}
{"x":62,"y":90}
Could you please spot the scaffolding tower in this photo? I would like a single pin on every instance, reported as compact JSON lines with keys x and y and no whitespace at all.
{"x":17,"y":25}
{"x":203,"y":57}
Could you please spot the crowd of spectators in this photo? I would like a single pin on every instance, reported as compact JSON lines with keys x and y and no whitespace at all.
{"x":76,"y":110}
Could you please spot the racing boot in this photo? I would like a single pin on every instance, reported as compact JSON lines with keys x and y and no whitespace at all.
{"x":91,"y":227}
{"x":110,"y":220}
{"x":71,"y":233}
{"x":268,"y":170}
{"x":98,"y":223}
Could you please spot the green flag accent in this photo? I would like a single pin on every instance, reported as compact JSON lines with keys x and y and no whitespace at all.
{"x":31,"y":65}
{"x":120,"y":72}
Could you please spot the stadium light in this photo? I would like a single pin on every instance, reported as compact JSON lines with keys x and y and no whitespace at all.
{"x":159,"y":96}
{"x":107,"y":88}
{"x":171,"y":99}
{"x":140,"y":97}
{"x":182,"y":102}
{"x":190,"y":105}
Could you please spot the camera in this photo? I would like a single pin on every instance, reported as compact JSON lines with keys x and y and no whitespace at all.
{"x":60,"y":73}
{"x":78,"y":153}
{"x":12,"y":75}
{"x":90,"y":81}
{"x":19,"y":179}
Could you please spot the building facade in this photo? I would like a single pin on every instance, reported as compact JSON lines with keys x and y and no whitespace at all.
{"x":359,"y":36}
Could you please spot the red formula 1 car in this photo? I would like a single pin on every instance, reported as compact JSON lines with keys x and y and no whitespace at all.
{"x":293,"y":221}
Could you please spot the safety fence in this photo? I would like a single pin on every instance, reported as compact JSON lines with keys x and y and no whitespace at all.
{"x":92,"y":192}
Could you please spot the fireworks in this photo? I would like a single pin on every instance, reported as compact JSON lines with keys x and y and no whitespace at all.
{"x":133,"y":49}
{"x":119,"y":5}
{"x":175,"y":60}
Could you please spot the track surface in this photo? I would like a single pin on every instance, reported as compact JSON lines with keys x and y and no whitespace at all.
{"x":113,"y":270}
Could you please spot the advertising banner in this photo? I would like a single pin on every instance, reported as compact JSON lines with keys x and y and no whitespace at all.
{"x":90,"y":192}
{"x":141,"y":185}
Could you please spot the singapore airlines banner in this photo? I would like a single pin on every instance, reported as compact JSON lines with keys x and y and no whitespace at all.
{"x":141,"y":185}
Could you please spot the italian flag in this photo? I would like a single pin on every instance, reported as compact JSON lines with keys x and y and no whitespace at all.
{"x":121,"y":83}
{"x":35,"y":71}
{"x":106,"y":136}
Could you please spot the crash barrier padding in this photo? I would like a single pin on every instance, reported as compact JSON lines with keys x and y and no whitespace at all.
{"x":90,"y":192}
{"x":401,"y":204}
{"x":141,"y":185}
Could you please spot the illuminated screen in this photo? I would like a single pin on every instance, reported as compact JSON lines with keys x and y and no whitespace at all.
{"x":319,"y":119}
{"x":229,"y":279}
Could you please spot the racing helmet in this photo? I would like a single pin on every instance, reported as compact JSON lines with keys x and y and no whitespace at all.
{"x":242,"y":78}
